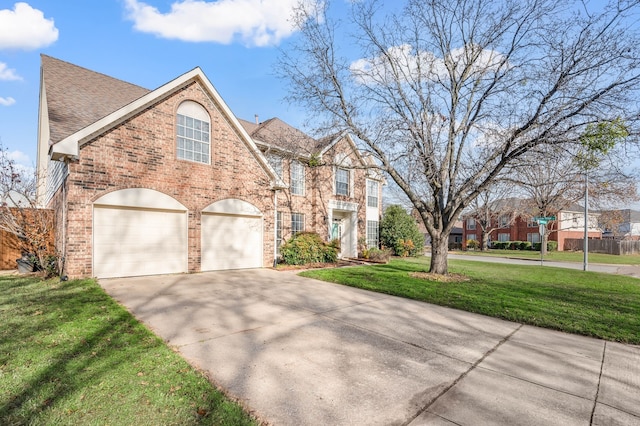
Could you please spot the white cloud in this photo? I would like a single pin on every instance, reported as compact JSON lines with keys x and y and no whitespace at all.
{"x":7,"y":101}
{"x":25,"y":28}
{"x":8,"y":74}
{"x":254,"y":22}
{"x":409,"y":64}
{"x":19,"y":157}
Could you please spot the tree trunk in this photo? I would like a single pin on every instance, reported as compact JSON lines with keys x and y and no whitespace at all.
{"x":484,"y":241}
{"x":439,"y":252}
{"x":543,"y":245}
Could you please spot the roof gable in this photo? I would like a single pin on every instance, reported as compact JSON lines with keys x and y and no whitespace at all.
{"x":78,"y":97}
{"x":69,"y":146}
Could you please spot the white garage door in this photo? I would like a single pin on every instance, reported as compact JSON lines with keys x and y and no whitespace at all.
{"x":138,"y":241}
{"x":231,"y":242}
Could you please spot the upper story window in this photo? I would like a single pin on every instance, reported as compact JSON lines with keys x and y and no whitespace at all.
{"x":275,"y":161}
{"x":297,"y":178}
{"x":192,"y":132}
{"x":372,"y":193}
{"x":503,"y":221}
{"x":471,"y":223}
{"x":342,"y":181}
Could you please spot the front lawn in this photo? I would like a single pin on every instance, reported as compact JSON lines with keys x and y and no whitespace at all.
{"x":559,"y":256}
{"x":70,"y":355}
{"x":588,"y":303}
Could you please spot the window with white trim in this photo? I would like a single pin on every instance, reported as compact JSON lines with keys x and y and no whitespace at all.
{"x":372,"y":233}
{"x":531,"y":223}
{"x":278,"y":231}
{"x":533,"y":237}
{"x":192,"y":133}
{"x":342,"y":181}
{"x":503,"y":221}
{"x":297,"y":178}
{"x":372,"y":193}
{"x":275,"y":161}
{"x":471,"y":223}
{"x":297,"y":223}
{"x":472,"y":237}
{"x":503,"y":237}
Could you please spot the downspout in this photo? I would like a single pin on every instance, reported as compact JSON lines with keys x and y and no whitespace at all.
{"x":275,"y":228}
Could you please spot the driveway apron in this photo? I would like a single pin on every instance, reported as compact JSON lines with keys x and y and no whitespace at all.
{"x":297,"y":351}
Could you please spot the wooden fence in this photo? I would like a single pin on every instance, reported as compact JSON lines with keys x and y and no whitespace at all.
{"x":10,"y":247}
{"x":618,"y":247}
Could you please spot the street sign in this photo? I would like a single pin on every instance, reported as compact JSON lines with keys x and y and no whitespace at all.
{"x":542,"y":229}
{"x":543,"y":220}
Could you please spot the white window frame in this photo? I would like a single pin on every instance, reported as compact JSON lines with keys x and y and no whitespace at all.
{"x":471,"y":224}
{"x":193,"y":133}
{"x":533,"y":237}
{"x":297,"y":223}
{"x":275,"y":161}
{"x":472,"y":237}
{"x":373,"y":233}
{"x":342,"y":187}
{"x":504,"y":237}
{"x":372,"y":193}
{"x":503,"y":221}
{"x":278,"y":231}
{"x":297,"y":182}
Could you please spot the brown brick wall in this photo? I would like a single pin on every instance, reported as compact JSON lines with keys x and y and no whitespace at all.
{"x":319,"y":190}
{"x":141,"y":152}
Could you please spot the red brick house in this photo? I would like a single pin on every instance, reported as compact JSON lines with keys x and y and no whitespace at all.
{"x":521,"y":226}
{"x":170,"y":181}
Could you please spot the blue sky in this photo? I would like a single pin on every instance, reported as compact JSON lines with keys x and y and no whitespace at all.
{"x":145,"y":42}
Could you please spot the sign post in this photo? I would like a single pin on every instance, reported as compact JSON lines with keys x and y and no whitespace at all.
{"x":542,"y":230}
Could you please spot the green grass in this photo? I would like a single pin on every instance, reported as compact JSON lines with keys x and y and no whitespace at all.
{"x":588,"y":303}
{"x":70,"y":355}
{"x":560,"y":256}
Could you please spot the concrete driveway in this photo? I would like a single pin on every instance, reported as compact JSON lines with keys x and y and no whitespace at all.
{"x":298,"y":351}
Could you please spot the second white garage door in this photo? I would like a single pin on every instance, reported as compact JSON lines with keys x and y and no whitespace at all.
{"x":231,"y":242}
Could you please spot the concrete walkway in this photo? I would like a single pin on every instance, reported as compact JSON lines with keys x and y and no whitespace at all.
{"x":630,"y":270}
{"x":297,"y":351}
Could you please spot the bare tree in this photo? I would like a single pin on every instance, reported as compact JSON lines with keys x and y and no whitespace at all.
{"x":551,"y":179}
{"x":20,"y":216}
{"x":495,"y":207}
{"x":447,"y":93}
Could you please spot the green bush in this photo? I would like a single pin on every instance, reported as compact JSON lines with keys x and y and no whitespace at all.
{"x":472,"y":244}
{"x":399,"y":231}
{"x":308,"y":247}
{"x":378,"y":255}
{"x":525,"y":245}
{"x":500,"y":245}
{"x":551,"y":246}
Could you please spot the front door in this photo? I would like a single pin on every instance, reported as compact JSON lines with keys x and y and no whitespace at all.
{"x":337,"y":233}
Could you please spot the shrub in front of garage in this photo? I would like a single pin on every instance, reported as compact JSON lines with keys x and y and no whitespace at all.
{"x":308,"y":247}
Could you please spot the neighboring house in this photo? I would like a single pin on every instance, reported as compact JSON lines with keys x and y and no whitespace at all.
{"x":170,"y":181}
{"x":621,"y":224}
{"x":455,"y":237}
{"x":521,"y":226}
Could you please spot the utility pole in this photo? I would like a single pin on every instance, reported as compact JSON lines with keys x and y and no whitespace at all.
{"x":585,"y":263}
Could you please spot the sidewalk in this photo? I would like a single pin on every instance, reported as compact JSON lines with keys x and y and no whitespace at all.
{"x":630,"y":270}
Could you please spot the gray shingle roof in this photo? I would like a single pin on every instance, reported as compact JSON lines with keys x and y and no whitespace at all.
{"x":78,"y":97}
{"x":277,"y":134}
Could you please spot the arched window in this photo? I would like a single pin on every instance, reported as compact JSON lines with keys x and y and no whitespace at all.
{"x":192,"y":133}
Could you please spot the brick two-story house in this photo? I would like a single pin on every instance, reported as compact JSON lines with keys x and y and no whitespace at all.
{"x":170,"y":181}
{"x":520,"y":225}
